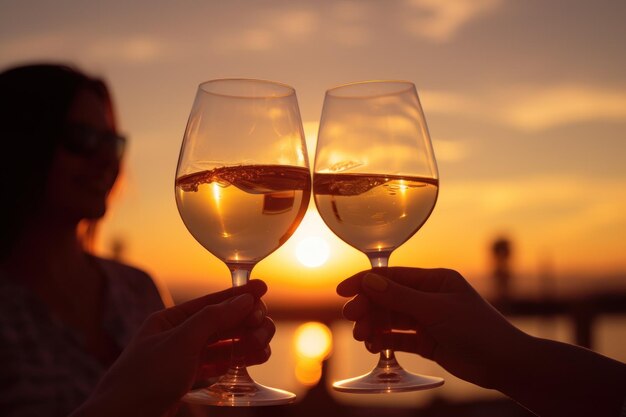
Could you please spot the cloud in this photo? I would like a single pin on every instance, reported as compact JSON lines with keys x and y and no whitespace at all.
{"x":294,"y":23}
{"x":135,"y":49}
{"x":532,"y":108}
{"x":246,"y":40}
{"x":279,"y":27}
{"x":561,"y":105}
{"x":351,"y":11}
{"x":443,"y":102}
{"x":563,"y":202}
{"x":350,"y":35}
{"x":38,"y":46}
{"x":350,"y":22}
{"x":128,"y":49}
{"x":440,"y":20}
{"x":346,"y":24}
{"x":451,"y":150}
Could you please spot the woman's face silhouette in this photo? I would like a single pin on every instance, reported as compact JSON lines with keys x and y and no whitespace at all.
{"x":78,"y":184}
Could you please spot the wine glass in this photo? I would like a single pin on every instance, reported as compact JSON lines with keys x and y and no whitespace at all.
{"x":242,"y":187}
{"x":375,"y":184}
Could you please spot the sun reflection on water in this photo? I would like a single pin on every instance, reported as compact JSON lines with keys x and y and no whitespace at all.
{"x":313,"y":343}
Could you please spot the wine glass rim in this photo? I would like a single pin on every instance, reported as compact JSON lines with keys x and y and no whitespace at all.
{"x":204,"y":87}
{"x":406,"y":86}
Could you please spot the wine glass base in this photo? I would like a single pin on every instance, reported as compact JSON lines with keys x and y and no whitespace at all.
{"x":250,"y":394}
{"x":387,"y":381}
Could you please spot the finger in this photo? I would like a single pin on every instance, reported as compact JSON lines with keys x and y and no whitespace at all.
{"x":258,"y":314}
{"x":362,"y":330}
{"x":174,"y":316}
{"x":218,"y":365}
{"x":378,"y":322}
{"x":425,"y":307}
{"x":438,"y":280}
{"x":257,"y":336}
{"x":351,"y":286}
{"x":382,"y":318}
{"x":419,"y":343}
{"x":248,"y":344}
{"x":356,"y":308}
{"x":260,"y":337}
{"x":259,"y":357}
{"x":428,"y":280}
{"x":413,"y":277}
{"x":206,"y":325}
{"x":223,"y":357}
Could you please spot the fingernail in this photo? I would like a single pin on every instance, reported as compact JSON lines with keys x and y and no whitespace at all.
{"x":375,"y":282}
{"x":258,"y":315}
{"x":243,"y":300}
{"x":262,"y":335}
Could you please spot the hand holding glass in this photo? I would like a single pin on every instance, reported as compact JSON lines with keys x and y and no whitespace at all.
{"x":375,"y":184}
{"x":242,"y":187}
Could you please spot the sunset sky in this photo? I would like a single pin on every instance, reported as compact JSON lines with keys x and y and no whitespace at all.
{"x":525,"y":100}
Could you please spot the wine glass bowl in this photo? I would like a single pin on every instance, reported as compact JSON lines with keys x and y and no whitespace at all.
{"x":375,"y":183}
{"x":242,"y":187}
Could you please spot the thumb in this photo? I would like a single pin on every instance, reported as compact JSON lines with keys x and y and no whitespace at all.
{"x":206,"y":325}
{"x":425,"y":307}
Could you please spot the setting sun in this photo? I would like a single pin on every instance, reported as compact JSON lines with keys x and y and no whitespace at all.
{"x":312,"y":251}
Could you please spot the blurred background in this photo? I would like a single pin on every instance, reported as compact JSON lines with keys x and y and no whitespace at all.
{"x":526,"y":105}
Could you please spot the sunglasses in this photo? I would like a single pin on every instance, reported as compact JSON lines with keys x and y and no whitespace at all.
{"x":86,"y":141}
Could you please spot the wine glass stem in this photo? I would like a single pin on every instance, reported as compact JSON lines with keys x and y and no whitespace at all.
{"x":240,"y":275}
{"x":387,"y":359}
{"x":379,"y":259}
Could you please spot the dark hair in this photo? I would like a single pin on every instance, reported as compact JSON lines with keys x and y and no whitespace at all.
{"x":34,"y":105}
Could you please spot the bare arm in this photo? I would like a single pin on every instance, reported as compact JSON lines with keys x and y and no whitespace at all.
{"x":177,"y":345}
{"x":559,"y":379}
{"x":454,"y":326}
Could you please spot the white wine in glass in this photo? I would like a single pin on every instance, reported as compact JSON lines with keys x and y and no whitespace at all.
{"x":375,"y":184}
{"x":242,"y":187}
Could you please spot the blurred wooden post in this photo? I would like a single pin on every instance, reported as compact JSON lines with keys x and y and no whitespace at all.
{"x":501,"y":250}
{"x":583,"y":318}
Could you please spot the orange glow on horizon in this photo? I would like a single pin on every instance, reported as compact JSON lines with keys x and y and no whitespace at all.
{"x":467,"y":214}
